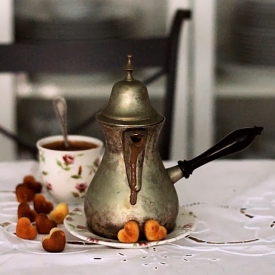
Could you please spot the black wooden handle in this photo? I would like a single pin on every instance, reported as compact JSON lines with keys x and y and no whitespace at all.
{"x":232,"y":143}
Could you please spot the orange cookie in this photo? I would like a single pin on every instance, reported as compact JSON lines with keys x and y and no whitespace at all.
{"x":24,"y":210}
{"x":44,"y":224}
{"x":59,"y":213}
{"x":130,"y":232}
{"x":41,"y":205}
{"x":29,"y":178}
{"x":23,"y":193}
{"x":31,"y":183}
{"x":25,"y":230}
{"x":55,"y":241}
{"x":154,"y":231}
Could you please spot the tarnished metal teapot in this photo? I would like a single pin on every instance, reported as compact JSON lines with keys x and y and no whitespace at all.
{"x":131,"y":182}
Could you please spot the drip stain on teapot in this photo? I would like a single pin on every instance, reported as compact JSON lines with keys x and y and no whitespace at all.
{"x":136,"y":143}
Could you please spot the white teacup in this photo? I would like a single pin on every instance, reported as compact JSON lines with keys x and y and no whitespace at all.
{"x":67,"y":173}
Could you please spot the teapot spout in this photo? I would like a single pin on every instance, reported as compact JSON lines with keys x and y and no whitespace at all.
{"x":232,"y":143}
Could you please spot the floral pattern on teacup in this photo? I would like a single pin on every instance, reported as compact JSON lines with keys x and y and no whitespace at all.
{"x":81,"y":187}
{"x":74,"y":175}
{"x":81,"y":190}
{"x":94,"y":166}
{"x":41,"y":156}
{"x":49,"y":186}
{"x":78,"y":175}
{"x":67,"y":161}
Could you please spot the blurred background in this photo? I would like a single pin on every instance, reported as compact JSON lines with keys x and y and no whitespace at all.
{"x":77,"y":20}
{"x":244,"y":71}
{"x":239,"y":61}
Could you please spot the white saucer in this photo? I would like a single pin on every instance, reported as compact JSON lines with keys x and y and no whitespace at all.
{"x":73,"y":244}
{"x":75,"y":223}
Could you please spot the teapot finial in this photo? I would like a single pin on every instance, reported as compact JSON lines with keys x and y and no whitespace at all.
{"x":129,"y":103}
{"x":129,"y":68}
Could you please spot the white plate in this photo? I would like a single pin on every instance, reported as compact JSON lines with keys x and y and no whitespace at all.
{"x":75,"y":223}
{"x":73,"y":244}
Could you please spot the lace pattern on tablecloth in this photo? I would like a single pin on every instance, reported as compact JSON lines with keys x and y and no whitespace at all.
{"x":244,"y":225}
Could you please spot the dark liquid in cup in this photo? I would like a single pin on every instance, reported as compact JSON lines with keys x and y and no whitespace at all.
{"x":73,"y":145}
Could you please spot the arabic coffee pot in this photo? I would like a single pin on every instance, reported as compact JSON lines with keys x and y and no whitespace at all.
{"x":131,"y":182}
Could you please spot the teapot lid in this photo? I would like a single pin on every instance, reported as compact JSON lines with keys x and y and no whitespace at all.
{"x":129,"y":103}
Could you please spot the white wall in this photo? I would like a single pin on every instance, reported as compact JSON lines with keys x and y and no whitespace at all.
{"x":194,"y":106}
{"x":7,"y":110}
{"x":180,"y":135}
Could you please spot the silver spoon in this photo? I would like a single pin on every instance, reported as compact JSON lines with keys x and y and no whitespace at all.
{"x":60,"y":109}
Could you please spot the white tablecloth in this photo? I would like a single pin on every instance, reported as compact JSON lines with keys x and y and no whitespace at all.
{"x":233,"y":200}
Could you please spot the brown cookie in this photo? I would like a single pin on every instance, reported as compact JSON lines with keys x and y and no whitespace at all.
{"x":24,"y":210}
{"x":23,"y":193}
{"x":44,"y":224}
{"x":55,"y":241}
{"x":31,"y":183}
{"x":41,"y":205}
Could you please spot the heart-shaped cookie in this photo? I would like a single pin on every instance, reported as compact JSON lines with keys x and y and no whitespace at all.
{"x":130,"y":232}
{"x":44,"y":224}
{"x":55,"y":241}
{"x":24,"y":210}
{"x":32,"y":183}
{"x":154,"y":231}
{"x":59,"y":213}
{"x":29,"y":178}
{"x":25,"y":230}
{"x":41,"y":205}
{"x":23,"y":193}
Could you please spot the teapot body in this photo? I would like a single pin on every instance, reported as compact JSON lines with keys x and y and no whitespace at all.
{"x":108,"y":204}
{"x":131,"y":182}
